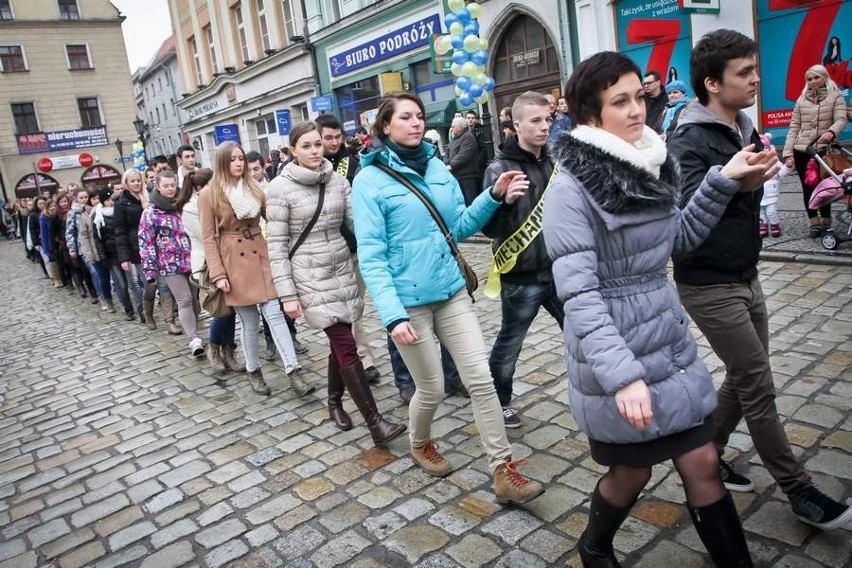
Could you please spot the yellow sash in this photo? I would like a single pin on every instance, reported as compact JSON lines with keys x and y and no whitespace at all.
{"x":343,"y":166}
{"x":507,"y":254}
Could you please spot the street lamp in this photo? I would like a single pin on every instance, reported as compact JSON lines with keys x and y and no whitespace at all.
{"x":119,"y":145}
{"x":141,"y":127}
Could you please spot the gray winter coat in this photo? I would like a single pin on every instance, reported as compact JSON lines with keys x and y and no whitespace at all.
{"x":610,"y":229}
{"x":463,"y":155}
{"x":321,"y":274}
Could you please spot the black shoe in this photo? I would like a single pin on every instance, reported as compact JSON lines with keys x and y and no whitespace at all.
{"x":269,"y":354}
{"x":128,"y":316}
{"x":815,"y":232}
{"x":407,"y":393}
{"x":734,"y":481}
{"x":511,"y":418}
{"x":372,"y":375}
{"x":817,"y":509}
{"x":300,"y":347}
{"x":456,"y":389}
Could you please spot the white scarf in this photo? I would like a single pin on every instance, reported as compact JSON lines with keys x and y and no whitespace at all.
{"x":98,"y":216}
{"x":648,"y":153}
{"x":244,"y":204}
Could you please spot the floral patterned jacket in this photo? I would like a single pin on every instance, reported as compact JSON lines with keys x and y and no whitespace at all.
{"x":164,"y":246}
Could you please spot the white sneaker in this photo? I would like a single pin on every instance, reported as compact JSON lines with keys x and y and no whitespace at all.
{"x":196,"y":347}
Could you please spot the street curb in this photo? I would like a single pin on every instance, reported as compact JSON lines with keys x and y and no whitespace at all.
{"x":765,"y":256}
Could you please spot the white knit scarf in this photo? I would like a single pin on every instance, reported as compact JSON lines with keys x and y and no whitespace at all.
{"x":244,"y":204}
{"x":98,"y":216}
{"x":648,"y":153}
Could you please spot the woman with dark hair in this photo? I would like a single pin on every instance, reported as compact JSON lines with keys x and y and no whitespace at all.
{"x":34,"y":231}
{"x":314,"y":274}
{"x":238,"y":262}
{"x":672,"y":75}
{"x":221,"y":344}
{"x":103,"y":225}
{"x":637,"y":386}
{"x":832,"y":52}
{"x":819,"y":117}
{"x":418,"y":287}
{"x":48,"y":224}
{"x":90,"y":254}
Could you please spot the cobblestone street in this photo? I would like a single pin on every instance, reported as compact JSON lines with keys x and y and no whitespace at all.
{"x":117,"y":448}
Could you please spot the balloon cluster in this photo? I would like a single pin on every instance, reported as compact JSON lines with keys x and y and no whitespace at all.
{"x":469,"y":52}
{"x":138,"y":156}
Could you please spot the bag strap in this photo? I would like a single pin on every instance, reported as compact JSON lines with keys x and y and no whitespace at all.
{"x":442,"y":226}
{"x":311,"y":223}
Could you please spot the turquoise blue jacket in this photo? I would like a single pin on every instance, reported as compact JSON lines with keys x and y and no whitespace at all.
{"x":404,"y":259}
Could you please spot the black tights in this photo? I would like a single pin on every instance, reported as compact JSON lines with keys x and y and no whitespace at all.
{"x":699,"y":470}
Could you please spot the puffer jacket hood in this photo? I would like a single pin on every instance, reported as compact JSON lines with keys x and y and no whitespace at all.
{"x":696,"y":113}
{"x":321,"y":273}
{"x":610,"y":229}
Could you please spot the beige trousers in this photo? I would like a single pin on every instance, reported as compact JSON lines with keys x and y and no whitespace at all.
{"x":365,"y":352}
{"x":454,"y":322}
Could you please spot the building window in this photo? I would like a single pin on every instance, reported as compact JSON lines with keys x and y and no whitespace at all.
{"x":25,"y":118}
{"x":168,"y":80}
{"x":151,"y":117}
{"x":90,"y":112}
{"x":289,"y":20}
{"x":193,"y":47}
{"x":160,"y":84}
{"x":174,"y":108}
{"x":241,"y":32}
{"x":300,"y":112}
{"x":6,"y":10}
{"x":264,"y":29}
{"x":165,"y":114}
{"x":68,"y":10}
{"x":211,"y":47}
{"x":158,"y":115}
{"x":12,"y":58}
{"x":78,"y":56}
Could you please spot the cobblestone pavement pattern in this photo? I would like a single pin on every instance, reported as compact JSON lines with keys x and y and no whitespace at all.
{"x":117,"y":448}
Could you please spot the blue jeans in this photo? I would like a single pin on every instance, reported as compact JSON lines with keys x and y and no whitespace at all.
{"x":119,"y":280}
{"x":520,"y":304}
{"x":100,"y":278}
{"x":223,"y":330}
{"x":402,"y":376}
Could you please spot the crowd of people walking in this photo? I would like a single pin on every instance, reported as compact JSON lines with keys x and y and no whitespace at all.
{"x":309,"y":238}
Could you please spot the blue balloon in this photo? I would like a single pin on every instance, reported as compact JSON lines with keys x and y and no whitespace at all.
{"x":479,"y":57}
{"x":465,"y":99}
{"x":462,"y":15}
{"x":460,"y":56}
{"x":457,"y":42}
{"x":450,"y":19}
{"x":464,"y":83}
{"x":471,"y":28}
{"x":474,"y":90}
{"x":489,"y":85}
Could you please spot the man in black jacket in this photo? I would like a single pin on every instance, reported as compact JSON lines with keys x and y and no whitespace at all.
{"x":718,"y":282}
{"x":527,"y":284}
{"x":655,"y":100}
{"x":463,"y":159}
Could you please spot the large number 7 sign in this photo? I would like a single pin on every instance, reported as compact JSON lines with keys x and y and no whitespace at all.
{"x":812,"y":38}
{"x":663,"y":33}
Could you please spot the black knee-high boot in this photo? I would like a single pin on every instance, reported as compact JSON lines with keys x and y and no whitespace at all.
{"x":595,"y":545}
{"x":719,"y":528}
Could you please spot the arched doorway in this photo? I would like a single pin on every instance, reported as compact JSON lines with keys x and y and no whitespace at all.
{"x":30,"y":186}
{"x":100,"y":175}
{"x":525,"y":59}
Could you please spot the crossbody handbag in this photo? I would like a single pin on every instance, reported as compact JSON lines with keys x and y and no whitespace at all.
{"x":470,"y":280}
{"x":211,"y":297}
{"x":309,"y":227}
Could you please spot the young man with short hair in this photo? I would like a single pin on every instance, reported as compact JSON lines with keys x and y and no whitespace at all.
{"x":655,"y":100}
{"x":186,"y":163}
{"x":254,"y":163}
{"x":718,"y":282}
{"x":521,"y":269}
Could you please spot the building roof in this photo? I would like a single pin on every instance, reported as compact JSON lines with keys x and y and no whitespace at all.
{"x":167,"y":51}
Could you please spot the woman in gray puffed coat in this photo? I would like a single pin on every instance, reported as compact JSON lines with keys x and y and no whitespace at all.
{"x":314,"y":273}
{"x":637,"y":386}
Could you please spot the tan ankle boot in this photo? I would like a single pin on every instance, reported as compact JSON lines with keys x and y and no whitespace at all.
{"x":148,"y":314}
{"x":214,"y":358}
{"x":229,"y":359}
{"x":429,"y":460}
{"x":298,"y":384}
{"x":512,"y":487}
{"x":258,"y":384}
{"x":168,"y":313}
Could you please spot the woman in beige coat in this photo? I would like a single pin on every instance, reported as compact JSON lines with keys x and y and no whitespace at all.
{"x":238,"y":261}
{"x":819,"y":117}
{"x":314,"y":273}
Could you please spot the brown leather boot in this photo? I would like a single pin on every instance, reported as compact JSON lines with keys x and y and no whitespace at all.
{"x":214,"y":357}
{"x":335,"y":396}
{"x":148,"y":311}
{"x":512,"y":487}
{"x":298,"y":384}
{"x":258,"y":384}
{"x":381,"y":430}
{"x":429,"y":460}
{"x":53,"y":269}
{"x":168,"y":313}
{"x":229,"y":359}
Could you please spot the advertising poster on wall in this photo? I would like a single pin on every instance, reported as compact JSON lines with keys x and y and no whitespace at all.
{"x":793,"y":35}
{"x":656,"y":35}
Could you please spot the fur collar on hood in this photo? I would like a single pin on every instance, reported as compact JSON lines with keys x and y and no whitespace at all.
{"x":616,"y":185}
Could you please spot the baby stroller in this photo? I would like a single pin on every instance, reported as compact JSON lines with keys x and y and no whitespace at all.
{"x":835,"y":187}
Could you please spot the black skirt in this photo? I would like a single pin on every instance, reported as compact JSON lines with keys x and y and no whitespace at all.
{"x":652,"y":452}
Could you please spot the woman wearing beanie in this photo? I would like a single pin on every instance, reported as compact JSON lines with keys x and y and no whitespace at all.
{"x":676,"y":91}
{"x":164,"y":249}
{"x":819,"y":116}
